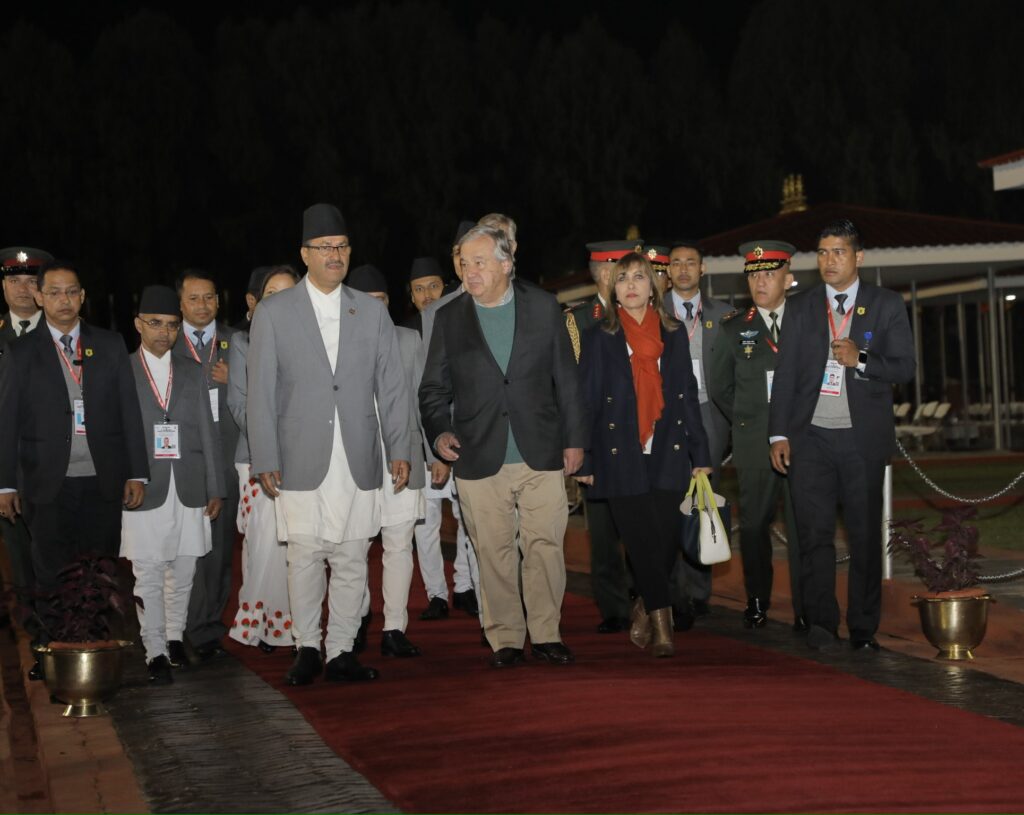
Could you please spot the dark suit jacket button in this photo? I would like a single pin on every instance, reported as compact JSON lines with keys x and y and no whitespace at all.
{"x":675,"y":446}
{"x":611,"y":425}
{"x":504,"y":413}
{"x":680,"y":396}
{"x":615,"y":451}
{"x":335,"y":387}
{"x":506,"y":381}
{"x":679,"y":421}
{"x":67,"y":438}
{"x":609,"y":400}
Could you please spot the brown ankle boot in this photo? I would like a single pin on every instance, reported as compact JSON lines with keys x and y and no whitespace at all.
{"x":661,"y":626}
{"x":640,"y":625}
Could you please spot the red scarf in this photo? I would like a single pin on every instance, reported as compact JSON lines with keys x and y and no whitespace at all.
{"x":645,"y":340}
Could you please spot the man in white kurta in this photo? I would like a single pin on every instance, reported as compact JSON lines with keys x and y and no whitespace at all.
{"x":166,"y":536}
{"x":320,"y":356}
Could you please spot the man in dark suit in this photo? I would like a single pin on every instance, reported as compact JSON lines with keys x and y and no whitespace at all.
{"x":205,"y":342}
{"x":845,"y":344}
{"x":742,"y":371}
{"x":691,"y":582}
{"x":500,"y":397}
{"x":72,"y":428}
{"x":170,"y":531}
{"x":609,"y":581}
{"x":19,"y":265}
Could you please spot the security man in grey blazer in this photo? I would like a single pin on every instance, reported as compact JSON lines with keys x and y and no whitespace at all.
{"x":699,"y":315}
{"x":166,"y":536}
{"x":320,"y":356}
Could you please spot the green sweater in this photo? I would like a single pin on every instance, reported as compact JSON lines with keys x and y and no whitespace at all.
{"x":499,"y":327}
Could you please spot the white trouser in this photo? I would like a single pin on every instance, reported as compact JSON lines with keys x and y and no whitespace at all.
{"x":164,"y":587}
{"x":307,"y":584}
{"x":467,"y":573}
{"x":428,"y":550}
{"x":397,"y":575}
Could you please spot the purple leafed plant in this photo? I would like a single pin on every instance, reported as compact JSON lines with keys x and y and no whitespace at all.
{"x":84,"y":606}
{"x":943,"y":556}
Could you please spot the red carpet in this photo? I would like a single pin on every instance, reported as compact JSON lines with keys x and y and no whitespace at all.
{"x":723,"y":727}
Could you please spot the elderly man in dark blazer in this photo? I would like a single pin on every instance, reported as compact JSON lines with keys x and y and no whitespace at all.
{"x":845,"y":343}
{"x":500,"y":398}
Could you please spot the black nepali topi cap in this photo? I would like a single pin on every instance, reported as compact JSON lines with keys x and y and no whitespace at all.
{"x":320,"y":220}
{"x":765,"y":256}
{"x":18,"y":260}
{"x":159,"y":300}
{"x":426,"y":267}
{"x":366,"y":278}
{"x":463,"y":228}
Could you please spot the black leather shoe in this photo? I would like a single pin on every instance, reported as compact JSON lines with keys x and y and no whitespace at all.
{"x":35,"y":673}
{"x":821,"y":639}
{"x":507,"y":657}
{"x":701,"y":608}
{"x":360,"y":642}
{"x":346,"y":668}
{"x":466,"y":601}
{"x":437,"y":609}
{"x":394,"y":643}
{"x":800,"y":625}
{"x":160,"y":671}
{"x":176,"y":654}
{"x":756,"y":613}
{"x":210,"y":650}
{"x":612,"y":625}
{"x":683,"y":618}
{"x":306,"y":668}
{"x":870,"y":644}
{"x":555,"y":653}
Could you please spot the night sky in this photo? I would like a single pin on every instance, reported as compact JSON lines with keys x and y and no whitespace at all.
{"x":139,"y":139}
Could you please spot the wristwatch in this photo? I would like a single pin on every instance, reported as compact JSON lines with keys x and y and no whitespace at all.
{"x":862,"y":358}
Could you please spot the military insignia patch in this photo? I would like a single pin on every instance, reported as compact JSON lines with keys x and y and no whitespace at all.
{"x":758,"y":252}
{"x":224,"y":345}
{"x":709,"y":324}
{"x":88,"y":352}
{"x":748,"y":339}
{"x":22,"y":258}
{"x":861,"y":311}
{"x":729,"y":316}
{"x":749,"y":335}
{"x":652,"y":254}
{"x":750,"y":314}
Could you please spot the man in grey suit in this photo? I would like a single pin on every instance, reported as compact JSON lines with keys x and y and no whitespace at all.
{"x":320,"y":357}
{"x":691,"y":582}
{"x":170,"y":531}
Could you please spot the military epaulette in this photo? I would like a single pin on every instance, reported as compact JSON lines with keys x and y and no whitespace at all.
{"x":574,"y":333}
{"x":729,"y":316}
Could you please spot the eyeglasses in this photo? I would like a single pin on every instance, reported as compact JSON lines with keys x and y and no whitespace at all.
{"x":328,"y":249}
{"x":55,"y":294}
{"x":156,"y":325}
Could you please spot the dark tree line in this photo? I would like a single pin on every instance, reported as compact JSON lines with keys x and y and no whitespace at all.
{"x":154,"y":147}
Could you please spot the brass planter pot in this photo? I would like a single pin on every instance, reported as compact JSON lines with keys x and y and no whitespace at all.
{"x":954,"y":625}
{"x":83,"y":677}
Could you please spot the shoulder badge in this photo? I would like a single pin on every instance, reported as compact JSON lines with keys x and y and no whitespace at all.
{"x":597,"y":312}
{"x":750,"y":314}
{"x":729,"y":316}
{"x":224,"y":345}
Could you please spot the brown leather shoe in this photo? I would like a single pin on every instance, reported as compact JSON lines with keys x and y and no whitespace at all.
{"x":661,"y":626}
{"x":640,"y":625}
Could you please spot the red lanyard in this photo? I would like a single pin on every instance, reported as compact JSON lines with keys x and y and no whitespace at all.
{"x":831,"y":321}
{"x":771,"y":344}
{"x":152,"y":384}
{"x":67,"y":363}
{"x":192,"y":348}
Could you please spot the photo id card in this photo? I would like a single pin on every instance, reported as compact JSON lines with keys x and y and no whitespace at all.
{"x":215,"y":404}
{"x":832,"y":379}
{"x":79,"y":409}
{"x":165,"y":441}
{"x":768,"y":377}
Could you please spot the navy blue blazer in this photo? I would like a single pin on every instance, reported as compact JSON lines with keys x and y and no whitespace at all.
{"x":615,"y":457}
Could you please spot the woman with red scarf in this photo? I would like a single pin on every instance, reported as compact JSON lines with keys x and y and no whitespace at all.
{"x":646,"y":436}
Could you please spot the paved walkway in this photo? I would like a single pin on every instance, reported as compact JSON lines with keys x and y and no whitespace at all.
{"x":227,"y":742}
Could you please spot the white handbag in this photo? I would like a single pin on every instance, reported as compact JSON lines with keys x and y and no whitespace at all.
{"x":703,"y":506}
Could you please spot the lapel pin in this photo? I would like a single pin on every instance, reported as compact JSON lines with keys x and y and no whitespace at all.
{"x":224,"y":344}
{"x":351,"y":311}
{"x":88,"y":352}
{"x":709,"y":324}
{"x":861,"y":311}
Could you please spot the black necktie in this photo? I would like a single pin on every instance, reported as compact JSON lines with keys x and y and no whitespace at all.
{"x":66,"y":342}
{"x":24,"y":326}
{"x":840,"y":308}
{"x":689,"y":311}
{"x":775,"y":325}
{"x":199,"y":338}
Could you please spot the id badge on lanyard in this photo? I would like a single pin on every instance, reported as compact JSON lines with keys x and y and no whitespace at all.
{"x":165,"y":441}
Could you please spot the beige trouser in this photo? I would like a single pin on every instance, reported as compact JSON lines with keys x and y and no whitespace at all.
{"x":489,"y":506}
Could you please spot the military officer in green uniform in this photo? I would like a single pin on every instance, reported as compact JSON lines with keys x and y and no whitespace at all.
{"x":743,"y":364}
{"x":608,"y":579}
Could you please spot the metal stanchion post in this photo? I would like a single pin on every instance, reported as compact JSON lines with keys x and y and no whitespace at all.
{"x":886,"y":517}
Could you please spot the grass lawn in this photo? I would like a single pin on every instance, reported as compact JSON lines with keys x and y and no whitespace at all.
{"x":1001,"y":524}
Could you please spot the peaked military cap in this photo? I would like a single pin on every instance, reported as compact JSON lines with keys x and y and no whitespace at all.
{"x":658,"y":256}
{"x":17,"y":260}
{"x":612,"y":251}
{"x":765,"y":256}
